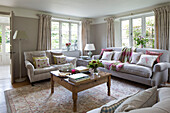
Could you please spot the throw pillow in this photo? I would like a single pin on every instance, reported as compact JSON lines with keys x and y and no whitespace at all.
{"x":147,"y":60}
{"x":41,"y":63}
{"x":146,"y":98}
{"x":101,"y":54}
{"x":107,"y":55}
{"x":117,"y":55}
{"x":155,"y":53}
{"x":35,"y":58}
{"x":59,"y":60}
{"x":135,"y":57}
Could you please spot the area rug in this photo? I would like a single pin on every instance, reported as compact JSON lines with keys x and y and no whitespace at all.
{"x":37,"y":99}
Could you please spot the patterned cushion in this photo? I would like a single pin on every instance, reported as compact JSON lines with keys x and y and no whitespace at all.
{"x":112,"y":108}
{"x":59,"y":60}
{"x":135,"y":57}
{"x":107,"y":55}
{"x":35,"y":58}
{"x":155,"y":53}
{"x":117,"y":55}
{"x":147,"y":60}
{"x":101,"y":54}
{"x":41,"y":63}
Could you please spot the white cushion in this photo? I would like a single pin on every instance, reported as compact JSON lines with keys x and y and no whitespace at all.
{"x":117,"y":55}
{"x":135,"y":57}
{"x":147,"y":60}
{"x":107,"y":55}
{"x":41,"y":63}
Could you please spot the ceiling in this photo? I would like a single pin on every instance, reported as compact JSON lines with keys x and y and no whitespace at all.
{"x":83,"y":8}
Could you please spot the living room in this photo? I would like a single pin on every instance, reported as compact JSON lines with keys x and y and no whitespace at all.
{"x":51,"y":26}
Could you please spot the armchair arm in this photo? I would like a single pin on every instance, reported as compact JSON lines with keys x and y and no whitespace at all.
{"x":95,"y":57}
{"x":161,"y":66}
{"x":30,"y":69}
{"x":72,"y":60}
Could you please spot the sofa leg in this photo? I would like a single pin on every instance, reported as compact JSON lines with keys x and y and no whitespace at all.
{"x":32,"y":84}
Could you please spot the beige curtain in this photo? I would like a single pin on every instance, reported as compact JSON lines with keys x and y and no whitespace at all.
{"x":44,"y":33}
{"x":162,"y":22}
{"x":110,"y":32}
{"x":85,"y":33}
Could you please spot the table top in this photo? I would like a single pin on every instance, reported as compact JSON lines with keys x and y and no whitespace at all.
{"x":92,"y":78}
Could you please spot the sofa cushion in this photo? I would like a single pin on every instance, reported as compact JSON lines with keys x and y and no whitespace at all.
{"x":146,"y":110}
{"x":107,"y":55}
{"x":155,"y":53}
{"x":44,"y":70}
{"x":164,"y":105}
{"x":137,"y":70}
{"x":163,"y":93}
{"x":41,"y":63}
{"x":117,"y":55}
{"x":146,"y":98}
{"x":59,"y":60}
{"x":135,"y":57}
{"x":101,"y":54}
{"x":147,"y":60}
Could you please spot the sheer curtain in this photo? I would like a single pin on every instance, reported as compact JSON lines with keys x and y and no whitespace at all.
{"x":162,"y":22}
{"x":85,"y":33}
{"x":44,"y":32}
{"x":110,"y":32}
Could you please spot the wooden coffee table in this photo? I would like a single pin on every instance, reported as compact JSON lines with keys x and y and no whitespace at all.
{"x":80,"y":86}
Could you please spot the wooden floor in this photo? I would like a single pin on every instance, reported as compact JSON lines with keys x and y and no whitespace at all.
{"x":5,"y":84}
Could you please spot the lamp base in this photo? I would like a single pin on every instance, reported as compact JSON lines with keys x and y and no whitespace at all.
{"x":89,"y":54}
{"x":20,"y":80}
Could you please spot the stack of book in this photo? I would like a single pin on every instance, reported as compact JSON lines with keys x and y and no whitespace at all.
{"x":78,"y":77}
{"x":81,"y":68}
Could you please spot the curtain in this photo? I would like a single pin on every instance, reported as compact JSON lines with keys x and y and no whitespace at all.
{"x":44,"y":32}
{"x":110,"y":32}
{"x":162,"y":22}
{"x":85,"y":33}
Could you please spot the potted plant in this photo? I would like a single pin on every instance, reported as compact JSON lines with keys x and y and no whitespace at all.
{"x":141,"y":41}
{"x":68,"y":46}
{"x":94,"y":64}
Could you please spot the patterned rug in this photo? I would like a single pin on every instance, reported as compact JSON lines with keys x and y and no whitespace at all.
{"x":37,"y":99}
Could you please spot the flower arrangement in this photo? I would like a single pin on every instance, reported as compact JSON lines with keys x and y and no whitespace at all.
{"x":94,"y":64}
{"x":141,"y":41}
{"x":68,"y":44}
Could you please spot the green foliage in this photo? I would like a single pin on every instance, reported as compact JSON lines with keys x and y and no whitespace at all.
{"x":95,"y":64}
{"x":141,"y":41}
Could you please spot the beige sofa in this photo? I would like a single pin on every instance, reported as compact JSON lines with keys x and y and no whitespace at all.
{"x":161,"y":106}
{"x":43,"y":73}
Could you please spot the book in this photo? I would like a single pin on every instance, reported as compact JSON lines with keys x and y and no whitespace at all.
{"x":81,"y":68}
{"x":79,"y":80}
{"x":78,"y":77}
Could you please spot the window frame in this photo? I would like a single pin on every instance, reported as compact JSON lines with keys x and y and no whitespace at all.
{"x":60,"y":32}
{"x":143,"y":26}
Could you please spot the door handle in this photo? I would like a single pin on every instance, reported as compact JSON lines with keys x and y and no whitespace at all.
{"x":12,"y":52}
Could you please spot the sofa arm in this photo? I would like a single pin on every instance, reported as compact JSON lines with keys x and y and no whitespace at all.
{"x":30,"y":69}
{"x":95,"y":57}
{"x":161,"y":66}
{"x":72,"y":60}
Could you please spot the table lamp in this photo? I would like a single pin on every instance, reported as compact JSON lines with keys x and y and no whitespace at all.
{"x":89,"y":47}
{"x":20,"y":35}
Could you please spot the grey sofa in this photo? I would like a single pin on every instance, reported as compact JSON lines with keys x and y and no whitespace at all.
{"x":162,"y":105}
{"x":145,"y":75}
{"x":43,"y":73}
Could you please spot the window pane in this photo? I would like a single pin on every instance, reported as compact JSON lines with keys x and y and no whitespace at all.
{"x":137,"y":31}
{"x":74,"y":33}
{"x":65,"y":34}
{"x":7,"y":38}
{"x":125,"y":33}
{"x":55,"y":35}
{"x":150,"y":31}
{"x":0,"y":38}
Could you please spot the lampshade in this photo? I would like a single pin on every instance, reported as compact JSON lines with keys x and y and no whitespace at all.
{"x":20,"y":35}
{"x":89,"y":47}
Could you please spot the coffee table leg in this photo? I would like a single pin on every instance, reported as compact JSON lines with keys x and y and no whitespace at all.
{"x":74,"y":101}
{"x":108,"y":85}
{"x":52,"y":84}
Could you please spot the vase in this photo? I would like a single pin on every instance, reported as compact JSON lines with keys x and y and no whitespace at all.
{"x":68,"y":48}
{"x":141,"y":46}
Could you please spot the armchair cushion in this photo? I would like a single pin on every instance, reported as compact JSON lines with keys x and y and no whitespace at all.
{"x":160,"y":67}
{"x":71,"y":60}
{"x":59,"y":60}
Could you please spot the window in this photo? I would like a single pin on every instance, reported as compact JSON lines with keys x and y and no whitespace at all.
{"x":63,"y":32}
{"x":135,"y":27}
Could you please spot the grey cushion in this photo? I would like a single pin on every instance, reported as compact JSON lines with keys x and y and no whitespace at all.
{"x":137,"y":70}
{"x":145,"y":98}
{"x":146,"y":110}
